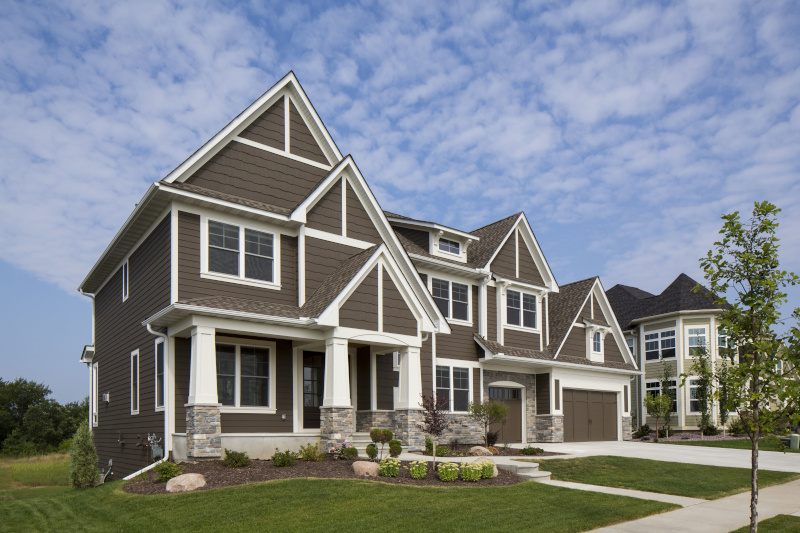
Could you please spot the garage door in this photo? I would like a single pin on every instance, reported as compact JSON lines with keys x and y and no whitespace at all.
{"x":589,"y":415}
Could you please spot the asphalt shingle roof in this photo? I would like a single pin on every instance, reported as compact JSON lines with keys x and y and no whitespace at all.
{"x":336,"y":282}
{"x":496,"y":347}
{"x":244,"y":305}
{"x":564,"y":306}
{"x":226,"y":197}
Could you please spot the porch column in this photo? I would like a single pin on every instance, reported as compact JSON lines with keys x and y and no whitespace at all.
{"x":203,"y":427}
{"x":337,"y":417}
{"x":408,"y":414}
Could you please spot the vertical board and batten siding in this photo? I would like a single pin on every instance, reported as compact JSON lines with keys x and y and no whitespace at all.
{"x":611,"y":351}
{"x":460,"y":344}
{"x":505,"y":263}
{"x":387,"y":378}
{"x":520,"y":339}
{"x":322,"y":258}
{"x":476,"y":385}
{"x":359,"y":225}
{"x":575,"y":343}
{"x":426,"y":366}
{"x":258,"y":175}
{"x":420,"y":238}
{"x":491,"y":313}
{"x":191,"y":285}
{"x":118,"y":332}
{"x":542,"y":394}
{"x":363,"y":378}
{"x":361,"y":308}
{"x":269,"y":128}
{"x":326,"y":215}
{"x":397,"y":317}
{"x":183,"y":361}
{"x":302,"y":142}
{"x":528,"y":270}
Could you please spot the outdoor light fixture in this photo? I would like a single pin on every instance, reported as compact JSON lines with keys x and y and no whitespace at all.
{"x":283,"y":417}
{"x":106,"y":396}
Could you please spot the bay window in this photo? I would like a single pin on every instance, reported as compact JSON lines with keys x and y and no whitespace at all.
{"x":697,"y":340}
{"x":659,"y":345}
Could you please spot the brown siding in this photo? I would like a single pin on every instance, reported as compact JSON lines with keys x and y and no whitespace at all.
{"x":361,"y":309}
{"x":268,"y":128}
{"x":326,"y":215}
{"x":258,"y":175}
{"x":359,"y":225}
{"x":460,"y":344}
{"x":421,"y":238}
{"x":322,"y":258}
{"x":611,"y":350}
{"x":505,"y":263}
{"x":191,"y":285}
{"x":364,"y":378}
{"x":397,"y":317}
{"x":527,"y":268}
{"x":426,"y":366}
{"x":491,"y":313}
{"x":598,"y":313}
{"x":302,"y":141}
{"x":520,"y":339}
{"x":586,"y":311}
{"x":183,"y":361}
{"x":576,"y":343}
{"x":476,"y":385}
{"x":542,"y":394}
{"x":119,"y":332}
{"x":387,"y":379}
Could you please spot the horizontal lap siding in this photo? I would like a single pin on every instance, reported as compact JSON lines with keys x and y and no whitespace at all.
{"x":191,"y":285}
{"x":611,"y":350}
{"x":302,"y":142}
{"x":258,"y":175}
{"x":426,"y":366}
{"x":269,"y":128}
{"x":397,"y":317}
{"x":326,"y":215}
{"x":598,"y":313}
{"x":460,"y":344}
{"x":476,"y":385}
{"x":322,"y":258}
{"x":491,"y":313}
{"x":520,"y":339}
{"x":505,"y":263}
{"x":527,"y":268}
{"x":359,"y":225}
{"x":542,"y":394}
{"x":420,"y":238}
{"x":361,"y":308}
{"x":119,"y":332}
{"x":575,"y":344}
{"x":387,"y":379}
{"x":586,"y":312}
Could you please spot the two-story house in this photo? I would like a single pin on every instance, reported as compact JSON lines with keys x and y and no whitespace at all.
{"x":667,"y":330}
{"x":258,"y":297}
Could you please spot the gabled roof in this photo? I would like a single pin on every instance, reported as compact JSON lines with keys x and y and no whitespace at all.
{"x":245,"y":306}
{"x":492,"y":237}
{"x":203,"y":191}
{"x":564,"y":306}
{"x":336,"y":282}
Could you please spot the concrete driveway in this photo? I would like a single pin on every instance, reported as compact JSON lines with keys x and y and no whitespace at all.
{"x":701,"y":455}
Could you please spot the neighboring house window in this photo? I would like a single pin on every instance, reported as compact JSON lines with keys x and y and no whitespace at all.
{"x":694,"y":401}
{"x":631,"y":345}
{"x":125,"y":280}
{"x":597,"y":346}
{"x":95,"y":395}
{"x":659,"y":344}
{"x":452,"y":383}
{"x":226,"y":255}
{"x":135,"y":382}
{"x":159,"y":374}
{"x":452,"y":299}
{"x":243,"y":376}
{"x":697,"y":340}
{"x":521,"y":309}
{"x":449,"y":246}
{"x":653,"y":388}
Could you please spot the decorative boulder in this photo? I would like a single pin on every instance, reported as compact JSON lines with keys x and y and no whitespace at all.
{"x":485,"y":460}
{"x":186,"y":483}
{"x":479,"y":450}
{"x":365,"y":468}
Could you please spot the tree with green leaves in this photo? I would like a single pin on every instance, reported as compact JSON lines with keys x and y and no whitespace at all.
{"x":667,"y":378}
{"x":658,"y":406}
{"x":702,"y":372}
{"x":83,"y":472}
{"x":744,"y":265}
{"x":488,"y":413}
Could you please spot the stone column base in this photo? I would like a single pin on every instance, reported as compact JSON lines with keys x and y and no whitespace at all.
{"x":627,"y":428}
{"x":407,"y":430}
{"x":203,"y":431}
{"x":550,"y":428}
{"x":337,"y":424}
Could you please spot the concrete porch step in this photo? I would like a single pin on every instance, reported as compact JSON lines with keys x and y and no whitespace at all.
{"x":529,"y":471}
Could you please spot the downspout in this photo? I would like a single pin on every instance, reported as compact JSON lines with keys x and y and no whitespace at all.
{"x":167,"y":407}
{"x":92,"y":401}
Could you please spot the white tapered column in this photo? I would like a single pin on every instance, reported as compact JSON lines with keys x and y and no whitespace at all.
{"x":337,"y":374}
{"x":203,"y":367}
{"x":410,"y":379}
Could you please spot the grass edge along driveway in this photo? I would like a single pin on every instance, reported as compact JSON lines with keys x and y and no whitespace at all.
{"x":680,"y":479}
{"x":764,"y":445}
{"x":328,"y":505}
{"x":781,"y":523}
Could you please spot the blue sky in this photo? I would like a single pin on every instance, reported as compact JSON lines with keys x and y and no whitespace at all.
{"x":622,"y":129}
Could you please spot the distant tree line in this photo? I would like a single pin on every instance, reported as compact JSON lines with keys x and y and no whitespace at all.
{"x":32,"y":423}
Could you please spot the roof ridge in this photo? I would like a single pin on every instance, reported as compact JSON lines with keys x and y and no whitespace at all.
{"x":579,"y":281}
{"x":496,"y":222}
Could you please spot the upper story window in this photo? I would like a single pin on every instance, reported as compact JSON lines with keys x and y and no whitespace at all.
{"x":451,"y":247}
{"x":451,"y":298}
{"x":597,"y":345}
{"x":659,"y":344}
{"x":125,"y":279}
{"x":631,"y":345}
{"x":240,"y":254}
{"x":722,"y":339}
{"x":135,"y":382}
{"x":697,"y":340}
{"x":521,"y":309}
{"x":245,"y":376}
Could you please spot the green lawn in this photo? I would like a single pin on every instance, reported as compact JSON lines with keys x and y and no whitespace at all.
{"x":777,"y":524}
{"x":695,"y":481}
{"x":764,"y":445}
{"x":327,"y":505}
{"x":38,"y":471}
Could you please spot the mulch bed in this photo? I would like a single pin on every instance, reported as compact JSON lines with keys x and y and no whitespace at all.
{"x":462,"y":450}
{"x":218,"y":475}
{"x":691,"y":435}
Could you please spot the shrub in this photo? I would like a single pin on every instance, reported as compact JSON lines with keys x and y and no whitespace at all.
{"x":441,"y":451}
{"x":643,"y":431}
{"x":65,"y":445}
{"x":530,"y":450}
{"x":493,"y":450}
{"x":428,"y":445}
{"x":487,"y":469}
{"x":491,"y":438}
{"x":395,"y":448}
{"x":386,"y":435}
{"x":372,"y":451}
{"x":418,"y":469}
{"x":235,"y":459}
{"x":665,"y":431}
{"x":286,"y":458}
{"x":310,"y":452}
{"x":351,"y":454}
{"x":83,"y":472}
{"x":736,"y":426}
{"x":389,"y":467}
{"x":711,"y":431}
{"x":166,"y":470}
{"x":448,"y":472}
{"x":375,"y":435}
{"x":471,"y":471}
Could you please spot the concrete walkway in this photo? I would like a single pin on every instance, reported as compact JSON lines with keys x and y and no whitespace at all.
{"x":718,"y":516}
{"x":683,"y":501}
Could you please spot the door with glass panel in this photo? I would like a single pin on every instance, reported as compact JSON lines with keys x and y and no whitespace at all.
{"x":313,"y":383}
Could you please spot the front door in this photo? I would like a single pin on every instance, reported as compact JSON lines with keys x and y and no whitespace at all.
{"x":313,"y":383}
{"x":510,"y":432}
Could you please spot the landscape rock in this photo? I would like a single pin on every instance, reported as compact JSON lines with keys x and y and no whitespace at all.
{"x":486,"y":460}
{"x":186,"y":483}
{"x":365,"y":468}
{"x":479,"y":450}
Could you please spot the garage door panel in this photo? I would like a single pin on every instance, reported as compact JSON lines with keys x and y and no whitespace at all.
{"x":581,"y":427}
{"x":589,"y":415}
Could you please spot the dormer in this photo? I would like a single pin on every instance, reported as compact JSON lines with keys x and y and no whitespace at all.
{"x":596,"y":331}
{"x":435,"y":239}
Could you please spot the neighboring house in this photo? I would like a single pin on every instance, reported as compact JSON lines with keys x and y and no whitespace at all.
{"x":665,"y":330}
{"x":258,"y":297}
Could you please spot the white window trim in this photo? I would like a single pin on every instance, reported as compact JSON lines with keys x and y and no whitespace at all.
{"x":660,"y":391}
{"x":450,"y":281}
{"x":135,"y":409}
{"x":686,"y":336}
{"x":126,"y":279}
{"x":462,"y":247}
{"x":242,"y":224}
{"x":520,"y":327}
{"x":631,"y":343}
{"x":660,"y":356}
{"x":450,"y":365}
{"x":237,"y":408}
{"x":457,"y":243}
{"x":694,"y":383}
{"x":95,"y":393}
{"x":159,"y":340}
{"x":597,"y":335}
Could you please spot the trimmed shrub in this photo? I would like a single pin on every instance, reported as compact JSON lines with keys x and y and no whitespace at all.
{"x":386,"y":435}
{"x":530,"y":450}
{"x":487,"y":469}
{"x":643,"y":431}
{"x":375,"y":435}
{"x":372,"y":451}
{"x":448,"y":472}
{"x":471,"y":471}
{"x":418,"y":469}
{"x":491,"y":438}
{"x":350,"y":454}
{"x":389,"y":467}
{"x":167,"y":470}
{"x":83,"y":472}
{"x":710,"y":431}
{"x":665,"y":431}
{"x":395,"y":448}
{"x":310,"y":452}
{"x":493,"y":450}
{"x":235,"y":459}
{"x":286,"y":458}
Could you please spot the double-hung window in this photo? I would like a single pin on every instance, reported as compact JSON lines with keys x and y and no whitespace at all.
{"x":241,"y":252}
{"x":452,"y":383}
{"x":597,"y":345}
{"x":159,"y":374}
{"x":697,"y":340}
{"x":244,"y":376}
{"x":659,"y":344}
{"x":694,"y":399}
{"x":653,"y":388}
{"x":521,"y":309}
{"x":451,"y":247}
{"x":451,"y":298}
{"x":135,"y":382}
{"x":631,"y":345}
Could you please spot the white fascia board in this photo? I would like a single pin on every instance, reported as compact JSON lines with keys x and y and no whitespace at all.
{"x":539,"y":259}
{"x":516,"y":283}
{"x":301,"y":211}
{"x":616,"y":330}
{"x":241,"y":315}
{"x":470,"y":272}
{"x":299,"y":94}
{"x":250,"y":212}
{"x":676,"y":314}
{"x":446,"y":230}
{"x":524,"y":361}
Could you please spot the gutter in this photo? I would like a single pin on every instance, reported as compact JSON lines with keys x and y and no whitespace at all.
{"x":473,"y":272}
{"x":296,"y":322}
{"x":676,"y":313}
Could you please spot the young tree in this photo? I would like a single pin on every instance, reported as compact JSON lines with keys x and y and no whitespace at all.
{"x":703,"y":373}
{"x":488,"y":413}
{"x":744,"y":263}
{"x":667,"y":390}
{"x":435,"y":420}
{"x":83,"y":472}
{"x":658,"y":406}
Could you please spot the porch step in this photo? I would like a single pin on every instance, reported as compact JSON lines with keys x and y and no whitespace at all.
{"x":361,"y":440}
{"x":529,"y":471}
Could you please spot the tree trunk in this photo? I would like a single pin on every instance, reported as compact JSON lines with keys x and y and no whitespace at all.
{"x":754,"y":485}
